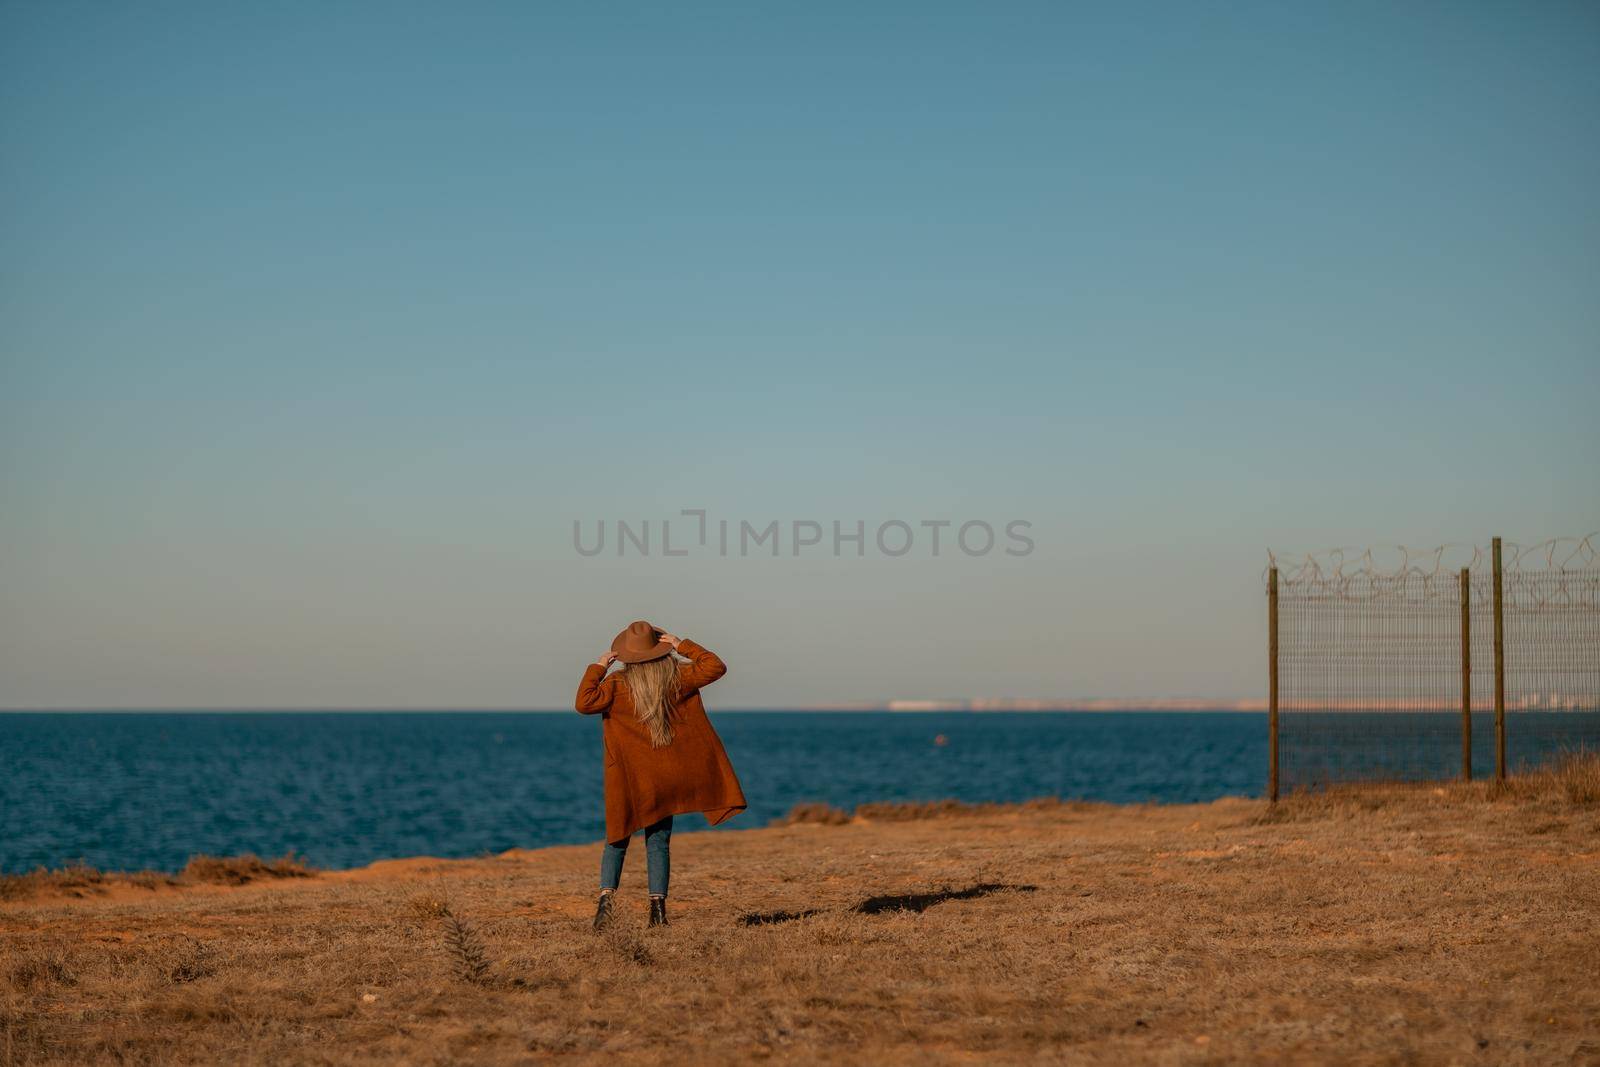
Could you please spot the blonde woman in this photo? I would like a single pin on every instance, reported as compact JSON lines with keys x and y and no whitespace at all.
{"x":662,"y":758}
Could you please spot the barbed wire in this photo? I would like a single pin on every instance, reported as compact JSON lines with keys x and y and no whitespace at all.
{"x":1560,"y":571}
{"x":1558,"y":553}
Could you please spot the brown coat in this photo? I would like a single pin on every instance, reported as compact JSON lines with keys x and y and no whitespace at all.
{"x":645,"y":784}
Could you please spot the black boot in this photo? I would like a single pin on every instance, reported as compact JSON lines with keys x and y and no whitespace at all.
{"x":603,"y":912}
{"x":658,"y":911}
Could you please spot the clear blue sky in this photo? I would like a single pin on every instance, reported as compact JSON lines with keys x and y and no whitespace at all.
{"x":321,"y":323}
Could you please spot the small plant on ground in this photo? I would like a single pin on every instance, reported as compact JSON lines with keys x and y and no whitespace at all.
{"x":628,"y":946}
{"x":464,"y":949}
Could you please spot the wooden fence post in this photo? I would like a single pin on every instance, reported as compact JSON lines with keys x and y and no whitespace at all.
{"x":1272,"y":685}
{"x":1499,"y":670}
{"x":1466,"y":675}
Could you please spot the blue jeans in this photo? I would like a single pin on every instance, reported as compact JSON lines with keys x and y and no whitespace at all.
{"x":657,"y":856}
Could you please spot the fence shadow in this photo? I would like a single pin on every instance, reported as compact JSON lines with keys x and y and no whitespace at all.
{"x":917,"y":902}
{"x":923,"y":901}
{"x":768,"y":918}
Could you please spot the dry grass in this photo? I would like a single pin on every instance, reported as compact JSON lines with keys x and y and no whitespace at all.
{"x":77,"y":879}
{"x":238,"y":870}
{"x":1450,"y":924}
{"x":80,"y":880}
{"x":1572,"y":780}
{"x":905,"y":811}
{"x":818,"y":814}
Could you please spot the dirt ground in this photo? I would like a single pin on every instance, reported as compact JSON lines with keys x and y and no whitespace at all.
{"x":1409,"y":926}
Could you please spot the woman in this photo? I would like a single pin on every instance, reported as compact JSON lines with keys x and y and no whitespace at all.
{"x":662,"y":756}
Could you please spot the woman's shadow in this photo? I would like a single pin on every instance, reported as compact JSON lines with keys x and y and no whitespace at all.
{"x":890,"y":902}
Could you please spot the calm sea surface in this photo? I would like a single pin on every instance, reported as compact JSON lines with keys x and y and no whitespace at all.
{"x":147,"y":790}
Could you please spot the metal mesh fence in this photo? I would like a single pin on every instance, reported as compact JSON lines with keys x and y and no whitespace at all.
{"x":1388,"y":671}
{"x":1552,"y":662}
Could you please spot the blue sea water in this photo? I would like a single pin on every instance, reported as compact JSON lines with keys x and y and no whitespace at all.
{"x":135,"y":790}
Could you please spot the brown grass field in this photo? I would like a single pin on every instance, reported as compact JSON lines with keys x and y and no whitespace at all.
{"x":1453,"y":925}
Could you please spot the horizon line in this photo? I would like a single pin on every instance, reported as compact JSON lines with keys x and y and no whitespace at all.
{"x":896,"y":706}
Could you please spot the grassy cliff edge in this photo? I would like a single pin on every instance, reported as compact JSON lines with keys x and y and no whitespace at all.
{"x":1418,"y":924}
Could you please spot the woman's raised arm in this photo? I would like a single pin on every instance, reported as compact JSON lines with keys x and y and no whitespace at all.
{"x":704,"y":666}
{"x":594,"y":695}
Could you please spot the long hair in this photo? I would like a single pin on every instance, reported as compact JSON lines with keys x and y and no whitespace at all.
{"x":654,"y":686}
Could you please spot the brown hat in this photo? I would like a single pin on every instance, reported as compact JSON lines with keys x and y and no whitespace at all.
{"x":640,"y":643}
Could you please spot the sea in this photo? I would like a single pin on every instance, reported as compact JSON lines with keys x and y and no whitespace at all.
{"x":148,"y":790}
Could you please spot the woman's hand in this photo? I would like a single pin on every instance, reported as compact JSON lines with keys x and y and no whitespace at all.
{"x":605,"y":659}
{"x":671,"y":639}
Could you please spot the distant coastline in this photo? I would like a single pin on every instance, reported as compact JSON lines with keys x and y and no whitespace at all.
{"x":1082,"y":704}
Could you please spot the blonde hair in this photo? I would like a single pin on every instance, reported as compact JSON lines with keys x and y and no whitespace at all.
{"x":654,"y":686}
